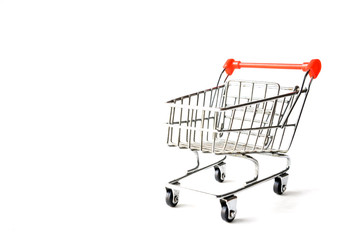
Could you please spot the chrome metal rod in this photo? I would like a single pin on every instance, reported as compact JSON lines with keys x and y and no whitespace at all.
{"x":297,"y":98}
{"x":259,"y":101}
{"x":302,"y":108}
{"x":174,"y":184}
{"x":252,"y":184}
{"x":194,"y":94}
{"x":197,"y":162}
{"x":259,"y":181}
{"x":256,"y":167}
{"x":197,"y":170}
{"x":196,"y":126}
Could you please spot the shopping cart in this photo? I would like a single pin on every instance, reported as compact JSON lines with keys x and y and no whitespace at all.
{"x":239,"y":118}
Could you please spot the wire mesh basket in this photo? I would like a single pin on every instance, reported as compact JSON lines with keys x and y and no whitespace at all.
{"x":238,"y":117}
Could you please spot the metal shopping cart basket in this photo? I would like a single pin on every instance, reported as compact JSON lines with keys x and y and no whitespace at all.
{"x":239,"y":118}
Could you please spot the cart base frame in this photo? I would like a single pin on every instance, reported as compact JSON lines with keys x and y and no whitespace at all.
{"x":228,"y":200}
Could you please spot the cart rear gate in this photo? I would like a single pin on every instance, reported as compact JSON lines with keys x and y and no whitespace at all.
{"x":237,"y":119}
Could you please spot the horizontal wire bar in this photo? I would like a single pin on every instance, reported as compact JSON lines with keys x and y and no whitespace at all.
{"x":194,"y":94}
{"x":227,"y":130}
{"x":259,"y":101}
{"x":257,"y":128}
{"x":207,"y":147}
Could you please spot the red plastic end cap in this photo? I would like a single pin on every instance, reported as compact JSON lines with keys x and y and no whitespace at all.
{"x":230,"y":65}
{"x":314,"y":68}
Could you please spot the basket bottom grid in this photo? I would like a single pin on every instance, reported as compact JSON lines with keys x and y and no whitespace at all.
{"x":207,"y":147}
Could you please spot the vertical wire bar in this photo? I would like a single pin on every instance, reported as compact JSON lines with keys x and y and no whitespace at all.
{"x":231,"y":119}
{"x":282,"y":114}
{"x":230,"y":126}
{"x":216,"y":117}
{"x":226,"y":91}
{"x":226,"y":94}
{"x":170,"y":127}
{"x":239,"y":94}
{"x":250,"y":100}
{"x":217,"y":101}
{"x":279,"y":120}
{"x":196,"y":113}
{"x":293,"y":101}
{"x":239,"y":100}
{"x":187,"y":120}
{"x":204,"y":99}
{"x":262,"y":118}
{"x":202,"y":131}
{"x":209,"y":115}
{"x":282,"y":137}
{"x":217,"y":86}
{"x":273,"y":112}
{"x":172,"y":122}
{"x":268,"y":132}
{"x":217,"y":96}
{"x":241,"y":125}
{"x":265,"y":103}
{"x":180,"y":120}
{"x":191,"y":121}
{"x":223,"y":104}
{"x":221,"y":121}
{"x":301,"y":110}
{"x":202,"y":123}
{"x":216,"y":114}
{"x":231,"y":123}
{"x":251,"y":125}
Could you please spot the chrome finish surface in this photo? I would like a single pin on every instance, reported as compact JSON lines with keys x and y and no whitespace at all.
{"x":238,"y":119}
{"x":174,"y":184}
{"x":176,"y":181}
{"x":253,"y":183}
{"x":256,"y":168}
{"x":197,"y":162}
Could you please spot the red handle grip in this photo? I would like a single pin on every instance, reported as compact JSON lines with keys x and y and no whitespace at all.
{"x":314,"y":66}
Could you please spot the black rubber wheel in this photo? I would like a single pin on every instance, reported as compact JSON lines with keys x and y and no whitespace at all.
{"x":225,"y":214}
{"x":278,"y":188}
{"x":169,"y":198}
{"x":219,"y":176}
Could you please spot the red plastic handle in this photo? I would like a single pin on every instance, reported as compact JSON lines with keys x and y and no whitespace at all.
{"x":314,"y":66}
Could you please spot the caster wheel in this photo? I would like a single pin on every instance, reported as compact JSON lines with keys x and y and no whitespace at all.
{"x":277,"y":187}
{"x":172,"y":197}
{"x":219,"y":176}
{"x":280,"y":184}
{"x":220,"y":172}
{"x":228,"y":208}
{"x":225,"y":214}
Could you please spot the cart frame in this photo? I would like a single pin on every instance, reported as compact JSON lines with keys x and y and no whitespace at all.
{"x":213,"y":118}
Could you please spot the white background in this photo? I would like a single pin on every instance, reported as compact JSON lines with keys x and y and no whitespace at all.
{"x":83,"y":151}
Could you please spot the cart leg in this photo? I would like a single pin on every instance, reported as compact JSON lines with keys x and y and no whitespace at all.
{"x":280,"y":183}
{"x":220,"y":171}
{"x":256,"y":163}
{"x":228,"y":208}
{"x":197,"y":162}
{"x":172,"y":197}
